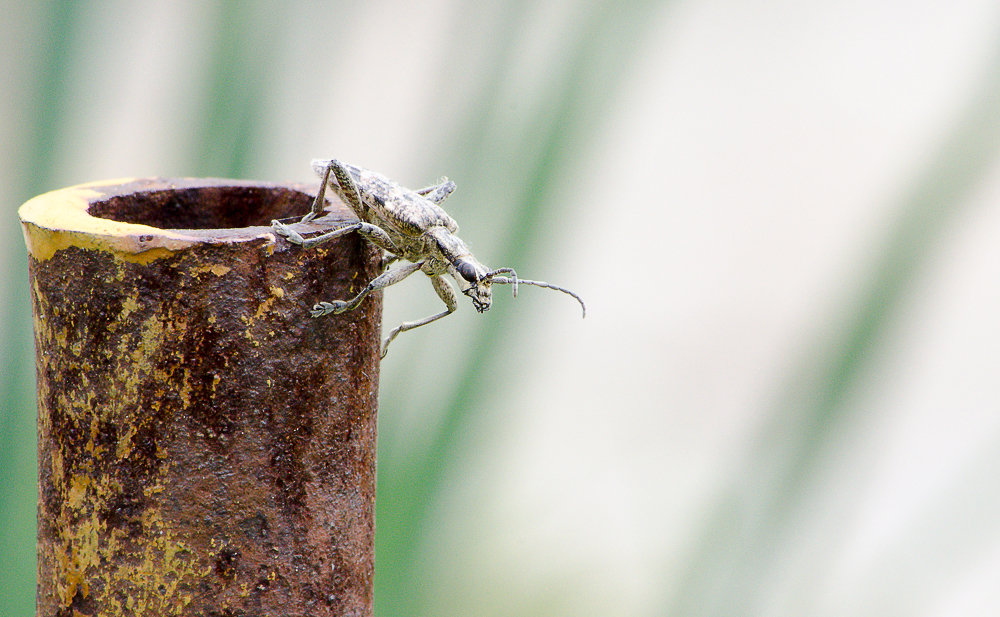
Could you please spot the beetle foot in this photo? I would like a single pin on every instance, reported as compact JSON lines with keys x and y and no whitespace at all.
{"x":287,"y":232}
{"x":325,"y":308}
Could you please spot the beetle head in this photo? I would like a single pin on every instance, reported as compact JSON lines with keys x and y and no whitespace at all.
{"x":480,"y":281}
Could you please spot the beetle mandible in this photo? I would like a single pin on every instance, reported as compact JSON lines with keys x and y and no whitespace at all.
{"x":407,"y":225}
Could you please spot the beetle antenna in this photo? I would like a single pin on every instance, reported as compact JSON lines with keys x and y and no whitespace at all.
{"x":503,"y":280}
{"x":512,"y":281}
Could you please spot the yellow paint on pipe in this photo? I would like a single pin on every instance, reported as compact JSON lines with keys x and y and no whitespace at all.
{"x":58,"y":220}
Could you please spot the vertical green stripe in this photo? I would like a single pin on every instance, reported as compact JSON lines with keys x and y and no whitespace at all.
{"x":44,"y":118}
{"x":241,"y":56}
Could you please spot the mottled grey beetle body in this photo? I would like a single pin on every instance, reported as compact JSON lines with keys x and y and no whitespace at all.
{"x":407,"y":225}
{"x":411,"y":213}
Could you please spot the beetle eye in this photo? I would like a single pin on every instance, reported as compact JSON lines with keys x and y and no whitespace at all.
{"x":468,"y":271}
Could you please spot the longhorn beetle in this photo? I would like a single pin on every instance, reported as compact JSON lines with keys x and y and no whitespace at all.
{"x":408,"y":225}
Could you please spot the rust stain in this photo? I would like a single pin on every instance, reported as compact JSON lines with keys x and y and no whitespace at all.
{"x":216,"y":269}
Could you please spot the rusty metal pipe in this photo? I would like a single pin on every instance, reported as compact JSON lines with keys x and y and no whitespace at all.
{"x":205,"y":448}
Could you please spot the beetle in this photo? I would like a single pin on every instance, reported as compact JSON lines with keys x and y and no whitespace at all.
{"x":411,"y":226}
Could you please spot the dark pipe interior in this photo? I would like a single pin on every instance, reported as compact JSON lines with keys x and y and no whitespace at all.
{"x":210,"y":207}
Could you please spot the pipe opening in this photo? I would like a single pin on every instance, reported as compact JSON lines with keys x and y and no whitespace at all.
{"x":206,"y":207}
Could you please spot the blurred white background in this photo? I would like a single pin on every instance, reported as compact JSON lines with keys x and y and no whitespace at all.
{"x":784,"y":217}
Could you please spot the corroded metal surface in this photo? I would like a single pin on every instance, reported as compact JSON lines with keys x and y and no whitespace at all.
{"x":205,"y":448}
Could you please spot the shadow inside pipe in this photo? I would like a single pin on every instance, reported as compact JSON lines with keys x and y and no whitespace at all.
{"x":204,"y":207}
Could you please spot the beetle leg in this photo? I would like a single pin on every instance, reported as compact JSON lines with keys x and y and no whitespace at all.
{"x":349,"y":189}
{"x":296,"y":238}
{"x":444,"y":291}
{"x":333,"y":170}
{"x":320,"y":201}
{"x":374,"y":234}
{"x":438,"y":192}
{"x":388,"y":259}
{"x":389,"y":277}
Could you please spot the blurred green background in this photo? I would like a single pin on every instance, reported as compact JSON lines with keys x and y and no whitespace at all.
{"x":784,"y":216}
